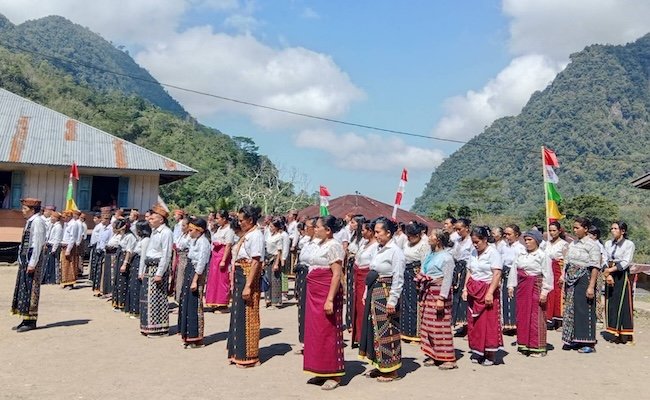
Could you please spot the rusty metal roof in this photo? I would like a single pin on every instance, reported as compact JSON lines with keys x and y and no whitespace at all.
{"x":33,"y":134}
{"x":369,"y":208}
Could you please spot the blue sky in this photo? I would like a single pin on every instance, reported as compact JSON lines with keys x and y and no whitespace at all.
{"x":438,"y":68}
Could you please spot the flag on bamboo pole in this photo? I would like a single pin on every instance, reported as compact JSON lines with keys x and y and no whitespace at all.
{"x":400,"y":192}
{"x":324,"y":202}
{"x":553,"y":198}
{"x":69,"y":198}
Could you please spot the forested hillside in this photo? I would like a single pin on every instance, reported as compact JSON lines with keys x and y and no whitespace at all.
{"x":230,"y":170}
{"x":595,"y":115}
{"x":55,"y":37}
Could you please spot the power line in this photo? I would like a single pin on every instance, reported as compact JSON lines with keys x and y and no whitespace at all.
{"x":320,"y":118}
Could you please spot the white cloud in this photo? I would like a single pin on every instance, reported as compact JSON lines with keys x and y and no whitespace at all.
{"x":466,"y":116}
{"x":371,"y":152}
{"x":241,"y":67}
{"x":557,"y":28}
{"x":122,"y":21}
{"x":542,"y":36}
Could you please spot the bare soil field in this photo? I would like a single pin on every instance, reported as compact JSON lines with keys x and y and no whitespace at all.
{"x":84,"y":350}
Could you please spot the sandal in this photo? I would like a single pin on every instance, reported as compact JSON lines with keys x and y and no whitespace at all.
{"x":373,"y":373}
{"x":586,"y":350}
{"x":387,"y":378}
{"x":447,"y":366}
{"x":429,"y":363}
{"x":244,"y":366}
{"x":316,"y":380}
{"x":330,"y":384}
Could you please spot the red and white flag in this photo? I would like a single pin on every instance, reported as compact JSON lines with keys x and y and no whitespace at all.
{"x":400,"y":192}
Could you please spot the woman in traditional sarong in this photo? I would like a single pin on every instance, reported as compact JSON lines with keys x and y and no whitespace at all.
{"x":434,"y":294}
{"x":364,"y":256}
{"x":461,"y":252}
{"x":244,"y":333}
{"x":217,"y":289}
{"x":619,"y":310}
{"x":323,"y":353}
{"x":306,"y":246}
{"x":190,"y":313}
{"x":581,"y":270}
{"x":181,"y":248}
{"x":415,"y":251}
{"x":511,"y":249}
{"x":52,"y":252}
{"x":354,"y":227}
{"x":356,"y":240}
{"x":556,"y":248}
{"x":136,"y":269}
{"x":123,"y":263}
{"x":111,"y":255}
{"x":533,"y":278}
{"x":483,"y":299}
{"x":594,"y":233}
{"x":276,"y":245}
{"x":380,"y":334}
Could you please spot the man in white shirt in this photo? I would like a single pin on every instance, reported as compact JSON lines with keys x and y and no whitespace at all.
{"x":294,"y":236}
{"x":28,"y":282}
{"x":155,"y":321}
{"x":69,"y":250}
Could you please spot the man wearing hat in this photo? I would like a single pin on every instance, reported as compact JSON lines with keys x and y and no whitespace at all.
{"x":69,"y":250}
{"x":47,"y":213}
{"x":52,"y":252}
{"x":154,"y":318}
{"x":28,"y":282}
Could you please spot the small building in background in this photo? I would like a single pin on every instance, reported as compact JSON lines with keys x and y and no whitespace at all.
{"x":38,"y":147}
{"x":369,"y":208}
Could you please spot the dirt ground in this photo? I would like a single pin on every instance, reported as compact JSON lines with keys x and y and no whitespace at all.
{"x":84,"y":350}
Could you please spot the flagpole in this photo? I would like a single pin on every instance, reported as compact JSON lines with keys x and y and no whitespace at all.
{"x":547,"y":223}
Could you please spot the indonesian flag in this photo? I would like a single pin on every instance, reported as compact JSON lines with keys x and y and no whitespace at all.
{"x":324,"y":202}
{"x":400,"y":192}
{"x":69,"y":198}
{"x":553,"y":198}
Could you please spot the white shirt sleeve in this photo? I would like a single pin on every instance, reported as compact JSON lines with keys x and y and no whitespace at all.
{"x":399,"y":264}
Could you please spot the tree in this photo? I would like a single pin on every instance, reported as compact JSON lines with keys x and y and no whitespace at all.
{"x":598,"y":209}
{"x":481,"y":195}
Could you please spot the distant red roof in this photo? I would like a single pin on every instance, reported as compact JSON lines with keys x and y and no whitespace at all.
{"x":369,"y":208}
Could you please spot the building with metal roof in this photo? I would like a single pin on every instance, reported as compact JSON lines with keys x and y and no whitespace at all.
{"x":368,"y":207}
{"x":39,"y":145}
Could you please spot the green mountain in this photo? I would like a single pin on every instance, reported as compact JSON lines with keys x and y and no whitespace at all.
{"x":54,"y":39}
{"x":595,"y":115}
{"x":230,"y":170}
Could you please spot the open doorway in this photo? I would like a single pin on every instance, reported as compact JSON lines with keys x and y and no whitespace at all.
{"x":5,"y":189}
{"x":104,"y":191}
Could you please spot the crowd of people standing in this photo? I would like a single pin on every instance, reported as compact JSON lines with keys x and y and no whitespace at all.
{"x":382,"y":282}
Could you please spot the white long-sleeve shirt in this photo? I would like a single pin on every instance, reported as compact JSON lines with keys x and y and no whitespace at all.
{"x":55,"y":235}
{"x":388,"y":261}
{"x":94,"y":236}
{"x":104,"y":236}
{"x":462,"y":249}
{"x":70,"y":235}
{"x":366,"y":253}
{"x":620,"y":253}
{"x":144,"y":244}
{"x":533,"y":264}
{"x":294,"y":234}
{"x":160,"y":247}
{"x":37,"y":232}
{"x":199,"y":253}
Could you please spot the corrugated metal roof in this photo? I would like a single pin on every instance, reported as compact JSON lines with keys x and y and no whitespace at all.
{"x":33,"y":134}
